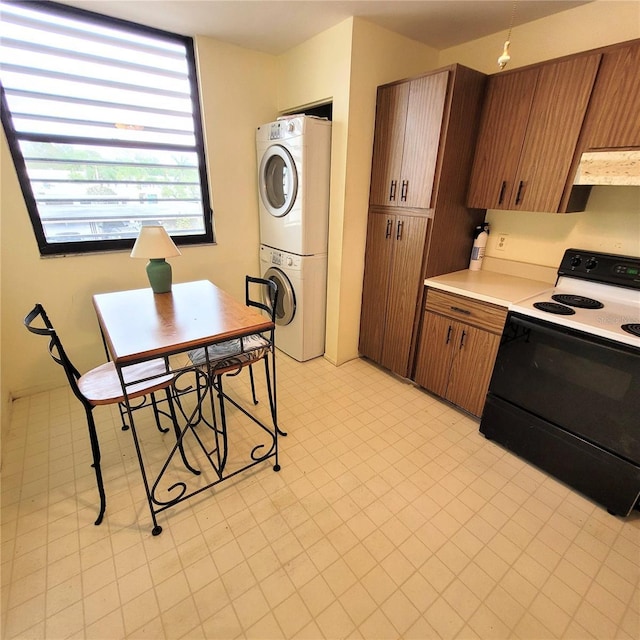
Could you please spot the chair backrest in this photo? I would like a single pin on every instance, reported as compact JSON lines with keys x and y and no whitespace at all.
{"x":268,"y":298}
{"x":56,"y":350}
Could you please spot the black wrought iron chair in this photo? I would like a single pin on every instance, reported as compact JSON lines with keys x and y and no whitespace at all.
{"x":101,"y":386}
{"x":231,"y":357}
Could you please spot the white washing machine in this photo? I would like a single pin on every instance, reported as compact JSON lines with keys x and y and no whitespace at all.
{"x":302,"y":295}
{"x":294,"y":161}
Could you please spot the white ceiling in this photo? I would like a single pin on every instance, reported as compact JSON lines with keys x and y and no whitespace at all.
{"x":274,"y":26}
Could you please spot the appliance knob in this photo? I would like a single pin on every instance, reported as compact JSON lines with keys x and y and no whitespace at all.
{"x":591,"y":263}
{"x":291,"y":127}
{"x":576,"y":261}
{"x":289,"y":261}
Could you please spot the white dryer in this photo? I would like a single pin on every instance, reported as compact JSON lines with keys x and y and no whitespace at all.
{"x":300,"y":316}
{"x":294,"y":161}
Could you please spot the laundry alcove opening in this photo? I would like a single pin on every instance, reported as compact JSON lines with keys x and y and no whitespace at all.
{"x":319,"y":110}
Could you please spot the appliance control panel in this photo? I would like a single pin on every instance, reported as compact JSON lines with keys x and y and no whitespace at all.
{"x":282,"y":259}
{"x":608,"y":268}
{"x":285,"y":128}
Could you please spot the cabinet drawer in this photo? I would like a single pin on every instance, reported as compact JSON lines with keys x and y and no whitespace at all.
{"x":474,"y":312}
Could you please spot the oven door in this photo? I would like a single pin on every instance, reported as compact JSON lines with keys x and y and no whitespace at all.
{"x":586,"y":385}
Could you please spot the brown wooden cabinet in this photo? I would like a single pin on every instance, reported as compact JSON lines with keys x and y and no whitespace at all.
{"x":531,"y":124}
{"x":395,"y":244}
{"x":430,"y":123}
{"x":613,"y":118}
{"x":408,"y":121}
{"x":458,"y":344}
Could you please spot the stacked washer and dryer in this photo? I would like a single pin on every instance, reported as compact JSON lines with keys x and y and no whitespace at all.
{"x":294,"y":157}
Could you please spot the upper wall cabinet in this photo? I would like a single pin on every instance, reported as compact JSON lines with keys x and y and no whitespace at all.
{"x":613,"y":119}
{"x":529,"y":131}
{"x":405,"y":149}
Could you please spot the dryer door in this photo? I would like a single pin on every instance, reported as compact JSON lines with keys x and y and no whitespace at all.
{"x":286,"y":307}
{"x":278,"y":181}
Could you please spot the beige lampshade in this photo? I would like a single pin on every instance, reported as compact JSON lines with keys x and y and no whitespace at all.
{"x":154,"y":242}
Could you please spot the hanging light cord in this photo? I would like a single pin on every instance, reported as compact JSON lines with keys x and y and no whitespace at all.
{"x":505,"y":57}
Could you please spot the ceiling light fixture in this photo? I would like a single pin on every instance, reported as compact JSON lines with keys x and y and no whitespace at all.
{"x":505,"y":57}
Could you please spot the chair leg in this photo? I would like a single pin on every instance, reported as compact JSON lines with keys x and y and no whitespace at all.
{"x":123,"y":412}
{"x":253,"y":385}
{"x":271,"y":391}
{"x":156,"y":414}
{"x":95,"y":450}
{"x":222,"y":456}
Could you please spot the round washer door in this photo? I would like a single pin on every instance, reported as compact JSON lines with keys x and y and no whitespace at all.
{"x":278,"y":181}
{"x":286,"y":307}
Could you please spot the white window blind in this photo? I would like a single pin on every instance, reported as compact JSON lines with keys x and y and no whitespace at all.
{"x":103,"y":122}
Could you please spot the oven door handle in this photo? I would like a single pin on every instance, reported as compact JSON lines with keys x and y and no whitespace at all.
{"x":571,"y":334}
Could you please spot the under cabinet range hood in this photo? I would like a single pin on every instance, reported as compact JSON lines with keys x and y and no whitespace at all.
{"x":614,"y":167}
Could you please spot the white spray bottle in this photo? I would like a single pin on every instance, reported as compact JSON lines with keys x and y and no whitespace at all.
{"x":481,"y":235}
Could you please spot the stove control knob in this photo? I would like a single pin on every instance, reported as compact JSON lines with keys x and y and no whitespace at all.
{"x":576,"y":261}
{"x":591,"y":263}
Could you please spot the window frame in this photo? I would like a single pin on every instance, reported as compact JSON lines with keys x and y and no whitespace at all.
{"x":48,"y":248}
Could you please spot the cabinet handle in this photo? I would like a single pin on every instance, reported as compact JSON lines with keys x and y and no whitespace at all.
{"x":392,"y":190}
{"x":388,"y":232}
{"x":448,"y":334}
{"x":466,"y":312}
{"x":502,"y":189}
{"x":519,"y":194}
{"x":405,"y":188}
{"x":462,"y":337}
{"x":399,"y":229}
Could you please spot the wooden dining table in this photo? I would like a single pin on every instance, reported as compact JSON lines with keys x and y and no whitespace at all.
{"x":137,"y":326}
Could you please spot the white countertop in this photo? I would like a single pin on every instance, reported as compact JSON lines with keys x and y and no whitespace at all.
{"x":488,"y":286}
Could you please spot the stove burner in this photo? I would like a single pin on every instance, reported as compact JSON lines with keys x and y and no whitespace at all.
{"x":554,"y":307}
{"x":577,"y":301}
{"x":633,"y":329}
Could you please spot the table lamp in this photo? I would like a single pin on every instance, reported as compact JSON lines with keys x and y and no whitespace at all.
{"x":155,"y":244}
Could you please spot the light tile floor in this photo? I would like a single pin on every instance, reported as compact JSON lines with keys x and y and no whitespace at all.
{"x":392,"y":517}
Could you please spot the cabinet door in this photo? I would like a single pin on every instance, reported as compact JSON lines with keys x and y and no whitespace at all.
{"x":558,"y":111}
{"x":421,"y":139}
{"x":502,"y":129}
{"x":377,"y":266}
{"x":386,"y":166}
{"x":613,"y":120}
{"x":433,"y":361}
{"x":405,"y":283}
{"x":474,"y":354}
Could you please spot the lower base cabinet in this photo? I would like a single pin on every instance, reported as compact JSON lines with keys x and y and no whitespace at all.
{"x":457,"y":349}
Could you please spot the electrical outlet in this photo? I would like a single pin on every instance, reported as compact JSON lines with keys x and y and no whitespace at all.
{"x":501,"y":241}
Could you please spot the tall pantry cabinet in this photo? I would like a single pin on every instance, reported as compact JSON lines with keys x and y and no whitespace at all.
{"x":419,"y":225}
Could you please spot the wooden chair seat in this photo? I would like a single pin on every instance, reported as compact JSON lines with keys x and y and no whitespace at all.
{"x":102,"y":385}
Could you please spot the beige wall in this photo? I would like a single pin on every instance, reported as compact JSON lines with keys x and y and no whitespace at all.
{"x":345,"y":64}
{"x":237,"y":87}
{"x":611,"y":222}
{"x":589,"y":26}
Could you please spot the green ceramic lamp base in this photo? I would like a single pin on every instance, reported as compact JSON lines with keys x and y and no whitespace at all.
{"x":159,"y":272}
